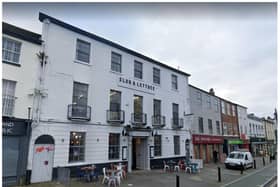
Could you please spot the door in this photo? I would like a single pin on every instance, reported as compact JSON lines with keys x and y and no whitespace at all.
{"x":42,"y":163}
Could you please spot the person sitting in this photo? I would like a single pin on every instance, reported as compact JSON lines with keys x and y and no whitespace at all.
{"x":93,"y":174}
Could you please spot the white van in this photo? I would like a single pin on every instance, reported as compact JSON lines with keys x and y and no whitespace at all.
{"x":237,"y":159}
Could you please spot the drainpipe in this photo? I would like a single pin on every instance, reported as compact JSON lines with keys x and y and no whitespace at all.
{"x":39,"y":89}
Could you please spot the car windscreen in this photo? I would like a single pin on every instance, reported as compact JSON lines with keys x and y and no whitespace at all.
{"x":236,"y":155}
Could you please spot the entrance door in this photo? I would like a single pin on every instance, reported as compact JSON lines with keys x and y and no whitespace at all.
{"x":42,"y":159}
{"x":139,"y":160}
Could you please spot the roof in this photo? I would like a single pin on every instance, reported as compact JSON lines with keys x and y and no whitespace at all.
{"x":43,"y":16}
{"x":215,"y":95}
{"x":21,"y":33}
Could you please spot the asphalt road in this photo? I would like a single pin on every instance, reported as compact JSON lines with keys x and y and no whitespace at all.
{"x":257,"y":178}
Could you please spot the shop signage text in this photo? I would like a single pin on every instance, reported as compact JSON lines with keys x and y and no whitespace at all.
{"x":235,"y":142}
{"x":137,"y":85}
{"x":206,"y":139}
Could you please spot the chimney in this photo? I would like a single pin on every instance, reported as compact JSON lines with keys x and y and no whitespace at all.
{"x":211,"y":91}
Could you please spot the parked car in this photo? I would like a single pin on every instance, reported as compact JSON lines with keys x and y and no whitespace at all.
{"x":238,"y":159}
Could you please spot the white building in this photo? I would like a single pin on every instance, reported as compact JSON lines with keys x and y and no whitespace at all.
{"x":103,"y":103}
{"x":20,"y":65}
{"x":257,"y":135}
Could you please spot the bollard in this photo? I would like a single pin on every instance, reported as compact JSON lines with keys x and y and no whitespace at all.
{"x":177,"y":181}
{"x":255,"y":166}
{"x":263,"y":162}
{"x":219,"y":174}
{"x":241,"y":169}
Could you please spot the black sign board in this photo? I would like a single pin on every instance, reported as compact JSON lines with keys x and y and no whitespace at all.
{"x":14,"y":127}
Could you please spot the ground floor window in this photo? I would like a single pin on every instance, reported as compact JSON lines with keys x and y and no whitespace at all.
{"x":77,"y":146}
{"x":176,"y":145}
{"x":114,"y":146}
{"x":157,"y":145}
{"x":10,"y":155}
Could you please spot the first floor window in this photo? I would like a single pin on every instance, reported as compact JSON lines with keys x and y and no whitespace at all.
{"x":116,"y":62}
{"x":200,"y":125}
{"x":77,"y":146}
{"x":218,"y":127}
{"x":157,"y":145}
{"x":114,"y":146}
{"x":176,"y":145}
{"x":210,"y":127}
{"x":174,"y":82}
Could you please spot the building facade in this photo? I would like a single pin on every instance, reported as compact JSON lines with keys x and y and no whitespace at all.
{"x":102,"y":103}
{"x":270,"y":135}
{"x":205,"y":124}
{"x":20,"y":65}
{"x":258,"y":143}
{"x":243,"y":127}
{"x":230,"y":126}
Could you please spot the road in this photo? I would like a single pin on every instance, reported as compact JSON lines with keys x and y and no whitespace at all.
{"x":257,"y":178}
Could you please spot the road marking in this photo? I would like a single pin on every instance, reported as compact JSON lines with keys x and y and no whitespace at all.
{"x":236,"y":180}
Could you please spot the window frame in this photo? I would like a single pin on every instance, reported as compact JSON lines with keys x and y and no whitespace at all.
{"x":218,"y":128}
{"x":79,"y":50}
{"x":210,"y":124}
{"x":174,"y":82}
{"x":116,"y":63}
{"x":112,"y":103}
{"x":208,"y":101}
{"x":199,"y":97}
{"x":115,"y":154}
{"x":13,"y":51}
{"x":176,"y":142}
{"x":8,"y":97}
{"x":157,"y":145}
{"x":200,"y":125}
{"x":156,"y":75}
{"x":77,"y":146}
{"x":138,"y":72}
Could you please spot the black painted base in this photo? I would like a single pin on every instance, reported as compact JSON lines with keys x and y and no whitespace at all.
{"x":158,"y":163}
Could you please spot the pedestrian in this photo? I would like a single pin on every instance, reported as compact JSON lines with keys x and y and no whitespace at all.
{"x":215,"y":156}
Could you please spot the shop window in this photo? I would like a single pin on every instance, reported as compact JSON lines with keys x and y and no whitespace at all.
{"x":176,"y":145}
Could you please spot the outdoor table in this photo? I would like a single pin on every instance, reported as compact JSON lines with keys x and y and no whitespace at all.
{"x":194,"y":166}
{"x":171,"y":164}
{"x":88,"y":170}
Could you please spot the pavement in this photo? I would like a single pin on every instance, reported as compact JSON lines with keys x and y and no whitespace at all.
{"x":208,"y":177}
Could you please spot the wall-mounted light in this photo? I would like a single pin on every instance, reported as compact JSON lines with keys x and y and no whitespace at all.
{"x":62,"y":140}
{"x":97,"y":139}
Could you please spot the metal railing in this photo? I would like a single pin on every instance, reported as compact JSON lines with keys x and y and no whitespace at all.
{"x":158,"y":121}
{"x":79,"y":112}
{"x":138,"y":118}
{"x":115,"y":116}
{"x":8,"y":105}
{"x":177,"y":123}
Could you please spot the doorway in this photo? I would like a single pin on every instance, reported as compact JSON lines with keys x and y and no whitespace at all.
{"x":139,"y":153}
{"x":42,"y":159}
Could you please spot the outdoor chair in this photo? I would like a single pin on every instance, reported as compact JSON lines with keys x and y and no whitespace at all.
{"x":105,"y":177}
{"x":112,"y":180}
{"x":188,"y":167}
{"x":165,"y":166}
{"x":177,"y":168}
{"x":120,"y":173}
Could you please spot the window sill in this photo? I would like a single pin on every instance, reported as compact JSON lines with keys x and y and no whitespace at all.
{"x":11,"y":63}
{"x":117,"y":73}
{"x":83,"y":63}
{"x":138,"y":79}
{"x":156,"y":84}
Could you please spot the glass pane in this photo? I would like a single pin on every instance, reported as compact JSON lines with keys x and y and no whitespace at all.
{"x":10,"y":155}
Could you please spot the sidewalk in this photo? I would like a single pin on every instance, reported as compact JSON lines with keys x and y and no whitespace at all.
{"x":208,"y":177}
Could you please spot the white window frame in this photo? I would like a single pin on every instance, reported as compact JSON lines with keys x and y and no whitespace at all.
{"x":11,"y":51}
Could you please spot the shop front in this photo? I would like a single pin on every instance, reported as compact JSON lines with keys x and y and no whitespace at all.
{"x":246,"y":142}
{"x":258,"y":146}
{"x":207,"y":146}
{"x":15,"y":137}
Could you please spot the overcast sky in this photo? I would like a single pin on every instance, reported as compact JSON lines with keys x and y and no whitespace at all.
{"x":229,"y":47}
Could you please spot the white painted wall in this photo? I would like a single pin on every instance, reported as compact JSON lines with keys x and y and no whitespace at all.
{"x":256,"y":132}
{"x":25,"y":76}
